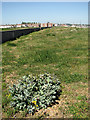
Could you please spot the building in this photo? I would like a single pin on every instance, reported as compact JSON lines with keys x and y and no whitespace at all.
{"x":23,"y":25}
{"x":29,"y":25}
{"x":50,"y":24}
{"x":6,"y":26}
{"x":18,"y":25}
{"x":65,"y":25}
{"x":56,"y":24}
{"x":43,"y":24}
{"x":73,"y":25}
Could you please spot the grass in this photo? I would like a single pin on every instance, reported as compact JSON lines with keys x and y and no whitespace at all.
{"x":7,"y":29}
{"x":55,"y":50}
{"x":77,"y":109}
{"x":75,"y":99}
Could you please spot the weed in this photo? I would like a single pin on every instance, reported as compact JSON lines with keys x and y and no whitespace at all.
{"x":11,"y":44}
{"x":4,"y":85}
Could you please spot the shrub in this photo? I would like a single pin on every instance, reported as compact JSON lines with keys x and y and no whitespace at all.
{"x":33,"y":93}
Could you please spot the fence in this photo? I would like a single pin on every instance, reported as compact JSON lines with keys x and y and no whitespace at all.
{"x":12,"y":35}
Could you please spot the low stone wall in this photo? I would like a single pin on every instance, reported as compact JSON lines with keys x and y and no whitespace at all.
{"x":12,"y":35}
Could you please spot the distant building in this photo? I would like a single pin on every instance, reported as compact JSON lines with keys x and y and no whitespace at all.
{"x":55,"y":24}
{"x":29,"y":25}
{"x":73,"y":25}
{"x":18,"y":25}
{"x":51,"y":24}
{"x":23,"y":25}
{"x":35,"y":25}
{"x":43,"y":24}
{"x":6,"y":26}
{"x":64,"y":25}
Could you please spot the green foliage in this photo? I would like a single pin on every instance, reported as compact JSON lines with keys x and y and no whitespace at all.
{"x":4,"y":85}
{"x":65,"y":54}
{"x":46,"y":56}
{"x":67,"y":57}
{"x":5,"y":98}
{"x":35,"y":92}
{"x":75,"y":78}
{"x":14,"y":28}
{"x":10,"y":112}
{"x":82,"y":97}
{"x":78,"y":109}
{"x":11,"y":44}
{"x":50,"y":34}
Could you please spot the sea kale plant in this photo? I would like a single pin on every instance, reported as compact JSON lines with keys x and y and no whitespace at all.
{"x":33,"y":93}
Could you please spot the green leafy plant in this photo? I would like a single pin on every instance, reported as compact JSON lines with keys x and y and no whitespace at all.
{"x":35,"y":92}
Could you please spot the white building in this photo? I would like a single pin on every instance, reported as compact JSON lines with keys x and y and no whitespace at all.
{"x":23,"y":25}
{"x":18,"y":25}
{"x":6,"y":26}
{"x":56,"y":24}
{"x":73,"y":26}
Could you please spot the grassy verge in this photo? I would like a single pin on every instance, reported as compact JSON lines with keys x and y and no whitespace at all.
{"x":62,"y":51}
{"x":7,"y":29}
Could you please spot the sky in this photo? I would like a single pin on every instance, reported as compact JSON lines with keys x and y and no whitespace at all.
{"x":55,"y":12}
